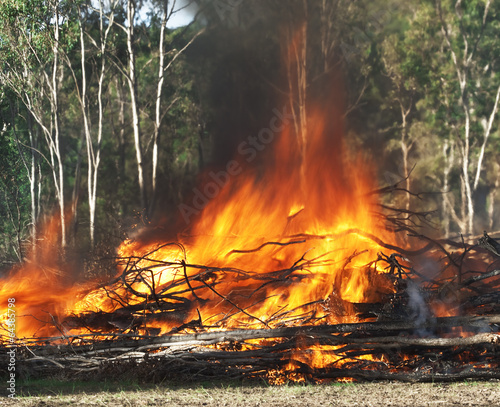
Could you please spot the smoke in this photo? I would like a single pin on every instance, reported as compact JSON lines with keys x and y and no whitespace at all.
{"x":418,"y":309}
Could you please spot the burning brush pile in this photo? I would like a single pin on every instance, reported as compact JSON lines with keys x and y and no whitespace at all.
{"x":292,"y":272}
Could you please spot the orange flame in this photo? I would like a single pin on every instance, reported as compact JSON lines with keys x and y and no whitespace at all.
{"x":283,"y":235}
{"x":315,"y":214}
{"x":274,"y":244}
{"x":40,"y":289}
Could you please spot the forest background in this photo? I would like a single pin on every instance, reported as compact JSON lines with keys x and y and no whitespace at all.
{"x":108,"y":114}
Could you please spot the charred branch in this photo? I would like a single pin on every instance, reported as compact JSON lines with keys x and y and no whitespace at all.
{"x":406,"y":357}
{"x":390,"y":341}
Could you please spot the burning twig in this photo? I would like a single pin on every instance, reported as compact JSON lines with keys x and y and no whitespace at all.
{"x":187,"y":281}
{"x":264,"y":245}
{"x":234,"y":305}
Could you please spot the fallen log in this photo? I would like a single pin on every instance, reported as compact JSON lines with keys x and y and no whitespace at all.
{"x":107,"y":341}
{"x":397,"y":350}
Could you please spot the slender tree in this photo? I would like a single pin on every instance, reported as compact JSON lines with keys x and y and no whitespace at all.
{"x":465,"y":30}
{"x":32,"y":69}
{"x":106,"y":23}
{"x":168,"y":9}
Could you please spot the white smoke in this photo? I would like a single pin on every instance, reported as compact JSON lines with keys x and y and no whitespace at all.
{"x":417,"y":305}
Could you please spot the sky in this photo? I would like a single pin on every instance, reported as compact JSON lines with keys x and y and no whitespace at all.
{"x":184,"y":16}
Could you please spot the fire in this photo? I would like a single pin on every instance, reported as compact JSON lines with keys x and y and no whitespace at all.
{"x":285,"y":237}
{"x":41,"y":290}
{"x":277,"y":242}
{"x":315,"y":214}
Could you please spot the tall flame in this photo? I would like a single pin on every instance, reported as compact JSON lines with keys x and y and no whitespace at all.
{"x":286,"y":231}
{"x":304,"y":219}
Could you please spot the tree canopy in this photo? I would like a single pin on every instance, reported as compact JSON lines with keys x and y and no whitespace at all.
{"x":107,"y":115}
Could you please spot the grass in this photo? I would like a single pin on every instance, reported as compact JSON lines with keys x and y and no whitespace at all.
{"x":41,"y":387}
{"x":56,"y":393}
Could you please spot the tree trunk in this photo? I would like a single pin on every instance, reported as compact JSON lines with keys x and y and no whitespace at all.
{"x":33,"y":185}
{"x":465,"y":172}
{"x":88,"y":139}
{"x":122,"y":142}
{"x":493,"y":194}
{"x":132,"y":83}
{"x":444,"y":202}
{"x":447,"y":206}
{"x":405,"y":148}
{"x":296,"y":63}
{"x":159,"y":91}
{"x":55,"y":129}
{"x":487,"y":132}
{"x":94,"y":151}
{"x":76,"y":190}
{"x":405,"y":151}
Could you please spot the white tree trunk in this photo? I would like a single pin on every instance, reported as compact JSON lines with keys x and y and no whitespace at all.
{"x":405,"y":148}
{"x":465,"y":173}
{"x":94,"y":151}
{"x":159,"y":91}
{"x":493,"y":194}
{"x":487,"y":132}
{"x":55,"y":124}
{"x":88,"y":137}
{"x":132,"y":83}
{"x":33,"y":187}
{"x":162,"y":69}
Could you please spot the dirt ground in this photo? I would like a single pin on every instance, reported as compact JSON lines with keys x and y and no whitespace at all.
{"x":232,"y":395}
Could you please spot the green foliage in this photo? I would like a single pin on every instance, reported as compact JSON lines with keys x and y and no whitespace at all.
{"x":223,"y":86}
{"x":14,"y":188}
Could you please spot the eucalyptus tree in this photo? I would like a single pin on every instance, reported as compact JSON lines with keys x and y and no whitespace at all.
{"x":167,"y":55}
{"x":33,"y":33}
{"x":470,"y":77}
{"x":106,"y":18}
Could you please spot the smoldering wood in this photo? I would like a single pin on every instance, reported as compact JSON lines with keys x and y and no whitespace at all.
{"x":406,"y":351}
{"x":400,"y":349}
{"x":365,"y":330}
{"x":481,"y":276}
